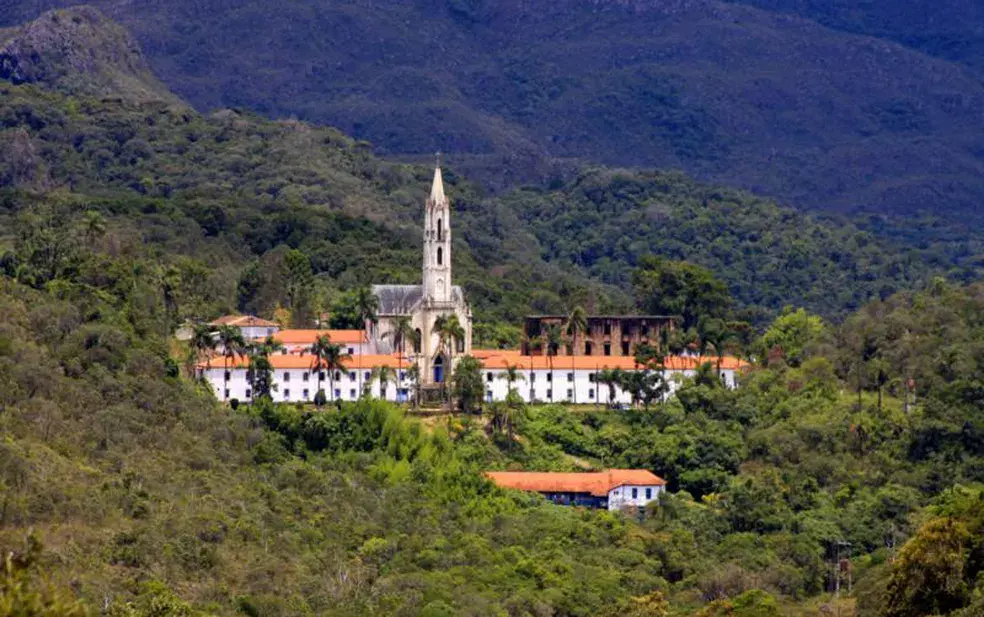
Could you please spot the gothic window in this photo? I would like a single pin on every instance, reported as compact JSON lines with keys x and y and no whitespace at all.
{"x":416,"y":341}
{"x":440,"y":256}
{"x":440,"y":231}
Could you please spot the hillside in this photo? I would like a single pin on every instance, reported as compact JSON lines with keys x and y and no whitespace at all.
{"x":729,"y":93}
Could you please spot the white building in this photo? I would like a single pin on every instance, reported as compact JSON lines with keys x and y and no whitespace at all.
{"x":250,"y":326}
{"x":573,"y":379}
{"x":614,"y":489}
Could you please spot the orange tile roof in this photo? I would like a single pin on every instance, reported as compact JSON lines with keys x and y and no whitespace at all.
{"x":482,"y":354}
{"x":307,"y":337}
{"x":598,"y":483}
{"x":301,"y":361}
{"x":243,"y":321}
{"x":587,"y":363}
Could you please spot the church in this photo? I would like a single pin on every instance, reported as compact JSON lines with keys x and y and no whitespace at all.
{"x":424,"y":304}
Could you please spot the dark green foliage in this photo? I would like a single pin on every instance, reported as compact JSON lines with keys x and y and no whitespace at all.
{"x":469,"y":387}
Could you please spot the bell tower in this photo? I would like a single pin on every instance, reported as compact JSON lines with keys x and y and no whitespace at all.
{"x":437,"y":243}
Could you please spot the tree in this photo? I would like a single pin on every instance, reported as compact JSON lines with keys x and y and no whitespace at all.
{"x":468,"y":385}
{"x":233,"y":344}
{"x":203,"y":343}
{"x":335,"y":358}
{"x":26,"y":592}
{"x":367,"y":307}
{"x":610,"y":378}
{"x":402,"y":332}
{"x":511,"y":374}
{"x":792,"y":332}
{"x":577,"y":324}
{"x":319,"y":351}
{"x":553,"y":338}
{"x":449,"y":331}
{"x":382,"y":374}
{"x":664,"y":287}
{"x":260,"y":372}
{"x":298,"y":286}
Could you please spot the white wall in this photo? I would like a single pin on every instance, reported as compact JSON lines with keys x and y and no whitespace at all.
{"x":258,"y":332}
{"x":291,"y":385}
{"x":293,"y":388}
{"x":622,"y":496}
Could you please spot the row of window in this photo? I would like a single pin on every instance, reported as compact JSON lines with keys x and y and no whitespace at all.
{"x":549,"y":394}
{"x":306,"y":394}
{"x":352,"y":375}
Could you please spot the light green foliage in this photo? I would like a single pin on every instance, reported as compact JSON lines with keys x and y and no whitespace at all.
{"x":469,"y":387}
{"x":790,"y":334}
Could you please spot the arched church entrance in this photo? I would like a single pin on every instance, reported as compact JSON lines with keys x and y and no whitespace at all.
{"x":439,"y":367}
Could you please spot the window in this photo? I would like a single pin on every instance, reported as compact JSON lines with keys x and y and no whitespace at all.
{"x":591,"y":377}
{"x":351,"y":351}
{"x":635,"y":493}
{"x":645,"y":332}
{"x":352,"y":394}
{"x":440,"y":256}
{"x":305,"y":376}
{"x":338,"y":394}
{"x":587,"y":348}
{"x":440,"y":230}
{"x":489,"y":377}
{"x":550,"y":394}
{"x":403,"y":375}
{"x":286,"y":376}
{"x":249,"y":393}
{"x":227,"y":394}
{"x":459,"y":345}
{"x":367,"y":375}
{"x":550,"y":377}
{"x":307,"y":394}
{"x":338,"y":375}
{"x":608,"y":349}
{"x":286,"y":394}
{"x":570,"y":394}
{"x":532,"y":376}
{"x":352,"y":376}
{"x":321,"y":375}
{"x":416,"y":341}
{"x":625,"y":348}
{"x":228,"y":375}
{"x":591,"y":393}
{"x":570,"y":377}
{"x":382,"y":393}
{"x":649,"y":493}
{"x":608,"y":329}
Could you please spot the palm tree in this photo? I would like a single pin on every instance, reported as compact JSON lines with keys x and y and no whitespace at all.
{"x":319,"y":350}
{"x":402,"y":332}
{"x":384,"y":374}
{"x":203,"y":343}
{"x":233,"y":344}
{"x":334,"y":360}
{"x":258,"y":361}
{"x":367,"y":307}
{"x":577,"y":324}
{"x":511,"y":375}
{"x":553,"y":338}
{"x":449,"y":331}
{"x":610,"y":378}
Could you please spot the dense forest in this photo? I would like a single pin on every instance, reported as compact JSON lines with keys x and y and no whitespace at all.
{"x":854,"y":445}
{"x":740,"y":93}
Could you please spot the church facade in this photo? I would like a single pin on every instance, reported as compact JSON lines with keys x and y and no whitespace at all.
{"x":426,"y":303}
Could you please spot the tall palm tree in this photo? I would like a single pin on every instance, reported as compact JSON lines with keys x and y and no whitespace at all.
{"x":319,"y":350}
{"x":367,"y":307}
{"x":383,"y":374}
{"x":577,"y":324}
{"x":609,"y":378}
{"x":449,"y":332}
{"x":258,"y":362}
{"x":553,"y":338}
{"x":203,"y":343}
{"x":511,"y":375}
{"x":335,"y":358}
{"x":233,"y":344}
{"x":401,"y":333}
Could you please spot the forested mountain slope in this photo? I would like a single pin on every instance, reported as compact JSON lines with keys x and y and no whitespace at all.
{"x":726,"y":92}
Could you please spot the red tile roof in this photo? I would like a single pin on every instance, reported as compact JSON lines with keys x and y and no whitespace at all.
{"x":500,"y":359}
{"x":302,"y":361}
{"x":598,"y":484}
{"x":243,"y":321}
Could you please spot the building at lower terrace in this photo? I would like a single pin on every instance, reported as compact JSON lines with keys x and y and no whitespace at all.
{"x":614,"y":489}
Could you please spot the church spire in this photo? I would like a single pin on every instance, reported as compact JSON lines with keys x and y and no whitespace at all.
{"x":437,"y":188}
{"x":437,"y":241}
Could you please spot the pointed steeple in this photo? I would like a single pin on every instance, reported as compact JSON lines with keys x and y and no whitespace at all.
{"x":437,"y":189}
